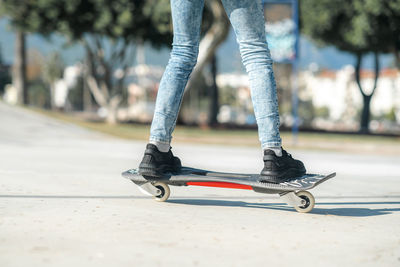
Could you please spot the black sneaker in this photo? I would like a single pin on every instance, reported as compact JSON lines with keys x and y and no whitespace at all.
{"x":155,"y":163}
{"x":280,"y":169}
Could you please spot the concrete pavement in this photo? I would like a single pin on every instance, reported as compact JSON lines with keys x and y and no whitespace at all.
{"x":63,"y":202}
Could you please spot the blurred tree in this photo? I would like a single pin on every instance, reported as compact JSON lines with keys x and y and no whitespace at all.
{"x":215,"y":33}
{"x":38,"y":93}
{"x":213,"y":38}
{"x":1,"y":55}
{"x":18,"y":12}
{"x":53,"y":70}
{"x":321,"y":112}
{"x":19,"y":67}
{"x":215,"y":30}
{"x":108,"y":29}
{"x":306,"y":112}
{"x":214,"y":94}
{"x":391,"y":115}
{"x":76,"y":95}
{"x":358,"y":27}
{"x":4,"y":73}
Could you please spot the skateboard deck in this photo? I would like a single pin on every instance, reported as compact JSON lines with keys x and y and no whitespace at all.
{"x":292,"y":191}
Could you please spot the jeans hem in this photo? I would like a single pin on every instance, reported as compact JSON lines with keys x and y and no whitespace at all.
{"x":271,"y":144}
{"x":159,"y":140}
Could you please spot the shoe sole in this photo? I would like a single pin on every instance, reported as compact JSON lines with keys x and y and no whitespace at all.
{"x":148,"y":171}
{"x":288,"y":175}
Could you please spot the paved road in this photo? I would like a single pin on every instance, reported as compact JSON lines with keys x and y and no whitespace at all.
{"x":63,"y":203}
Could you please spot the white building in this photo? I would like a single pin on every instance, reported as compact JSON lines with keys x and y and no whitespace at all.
{"x":68,"y":81}
{"x":339,"y":92}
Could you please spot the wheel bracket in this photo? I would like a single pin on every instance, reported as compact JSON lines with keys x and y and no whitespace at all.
{"x":291,"y":199}
{"x":149,"y":189}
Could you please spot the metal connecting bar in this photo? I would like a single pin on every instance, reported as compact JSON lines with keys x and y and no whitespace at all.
{"x":149,"y":189}
{"x":291,"y":199}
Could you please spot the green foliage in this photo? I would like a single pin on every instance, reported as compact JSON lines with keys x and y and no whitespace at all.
{"x":128,"y":19}
{"x":38,"y":94}
{"x":321,"y":112}
{"x":53,"y":68}
{"x":108,"y":30}
{"x":357,"y":26}
{"x":227,"y":96}
{"x":75,"y":95}
{"x":306,"y":112}
{"x":391,"y":115}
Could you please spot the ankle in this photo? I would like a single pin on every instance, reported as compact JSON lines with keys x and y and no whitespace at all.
{"x":161,"y":146}
{"x":277,"y":150}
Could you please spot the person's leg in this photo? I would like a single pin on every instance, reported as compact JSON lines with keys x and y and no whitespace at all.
{"x":248,"y":22}
{"x":247,"y":19}
{"x":186,"y":17}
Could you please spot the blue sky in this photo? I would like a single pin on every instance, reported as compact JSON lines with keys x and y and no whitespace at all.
{"x":228,"y":53}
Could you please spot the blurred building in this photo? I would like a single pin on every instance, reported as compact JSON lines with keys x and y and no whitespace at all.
{"x":338,"y":92}
{"x":335,"y":92}
{"x":331,"y":96}
{"x":142,"y":81}
{"x":239,"y":108}
{"x":62,"y":86}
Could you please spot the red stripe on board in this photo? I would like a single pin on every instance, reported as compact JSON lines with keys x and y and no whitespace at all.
{"x":221,"y":184}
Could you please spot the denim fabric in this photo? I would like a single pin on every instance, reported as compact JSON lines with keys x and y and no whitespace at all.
{"x":247,"y":19}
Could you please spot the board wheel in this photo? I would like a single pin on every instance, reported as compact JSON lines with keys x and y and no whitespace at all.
{"x":309,"y":201}
{"x":165,"y":191}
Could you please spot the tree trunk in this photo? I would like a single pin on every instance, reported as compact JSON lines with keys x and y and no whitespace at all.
{"x":365,"y":114}
{"x":87,"y":97}
{"x":101,"y":85}
{"x":214,"y":103}
{"x":19,"y":70}
{"x":53,"y":95}
{"x":209,"y":43}
{"x":112,"y":110}
{"x":397,"y":59}
{"x":212,"y":39}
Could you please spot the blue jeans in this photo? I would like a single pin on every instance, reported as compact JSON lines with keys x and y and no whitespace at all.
{"x":247,"y":19}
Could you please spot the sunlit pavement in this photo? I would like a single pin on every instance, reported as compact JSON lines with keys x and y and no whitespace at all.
{"x":64,"y":203}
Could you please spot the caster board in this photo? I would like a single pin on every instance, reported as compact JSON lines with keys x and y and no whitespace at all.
{"x":294,"y":192}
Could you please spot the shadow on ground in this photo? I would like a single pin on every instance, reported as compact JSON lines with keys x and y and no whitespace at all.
{"x":73,"y":197}
{"x":341,"y":211}
{"x":340,"y":208}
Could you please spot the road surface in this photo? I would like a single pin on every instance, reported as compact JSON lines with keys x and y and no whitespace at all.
{"x":64,"y":203}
